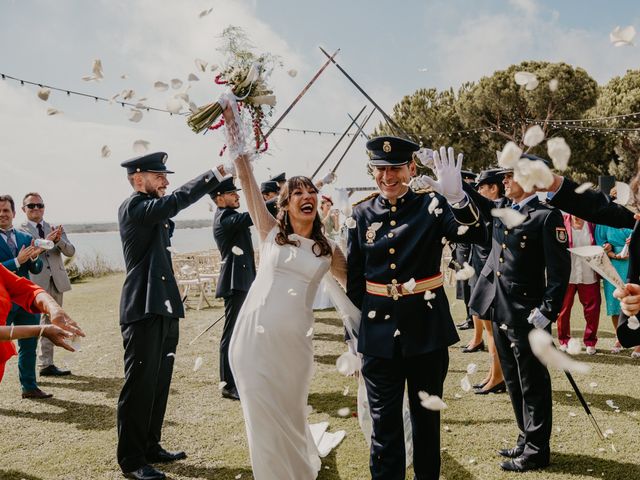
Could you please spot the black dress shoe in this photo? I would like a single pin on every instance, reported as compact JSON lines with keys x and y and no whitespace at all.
{"x":478,"y":348}
{"x":523,"y":464}
{"x":514,"y":452}
{"x":231,"y":394}
{"x":497,"y":388}
{"x":163,"y":456}
{"x":146,"y":472}
{"x":466,"y":325}
{"x":36,"y":393}
{"x":53,"y":371}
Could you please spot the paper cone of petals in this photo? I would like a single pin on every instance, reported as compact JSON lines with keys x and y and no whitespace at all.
{"x":597,"y":259}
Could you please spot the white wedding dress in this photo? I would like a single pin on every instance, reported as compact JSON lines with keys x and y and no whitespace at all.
{"x":271,"y":351}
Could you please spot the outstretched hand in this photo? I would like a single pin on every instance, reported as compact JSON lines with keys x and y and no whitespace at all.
{"x":449,"y":179}
{"x":58,"y":337}
{"x":629,"y":298}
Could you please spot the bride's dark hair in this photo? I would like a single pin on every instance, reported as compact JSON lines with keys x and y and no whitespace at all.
{"x":321,"y":246}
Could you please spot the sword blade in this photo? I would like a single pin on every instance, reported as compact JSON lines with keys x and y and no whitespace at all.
{"x":206,"y":330}
{"x":584,"y":404}
{"x":353,"y":140}
{"x":301,"y":94}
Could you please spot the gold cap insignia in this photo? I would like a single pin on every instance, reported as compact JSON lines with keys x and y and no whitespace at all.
{"x":386,"y":147}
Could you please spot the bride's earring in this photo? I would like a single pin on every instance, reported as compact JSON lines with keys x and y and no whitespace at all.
{"x":286,"y":218}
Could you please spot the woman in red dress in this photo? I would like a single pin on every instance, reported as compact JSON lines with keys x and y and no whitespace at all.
{"x":19,"y":290}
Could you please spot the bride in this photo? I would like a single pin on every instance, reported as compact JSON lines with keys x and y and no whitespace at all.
{"x":271,"y":351}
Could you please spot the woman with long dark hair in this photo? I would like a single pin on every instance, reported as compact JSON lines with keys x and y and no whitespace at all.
{"x":271,"y":351}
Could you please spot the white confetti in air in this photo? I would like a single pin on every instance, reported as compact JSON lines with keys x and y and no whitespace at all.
{"x":347,"y":364}
{"x":462,"y":229}
{"x":433,"y":205}
{"x":43,"y":94}
{"x":292,"y":73}
{"x":292,"y":292}
{"x":344,"y":412}
{"x":446,"y":428}
{"x":509,"y":155}
{"x":553,"y":84}
{"x":171,"y":355}
{"x":531,"y":174}
{"x":621,"y":37}
{"x":429,"y":305}
{"x":371,"y":314}
{"x":559,"y":152}
{"x":221,"y":385}
{"x":396,"y":333}
{"x":423,"y":69}
{"x":472,"y":368}
{"x":457,"y":395}
{"x":572,"y":414}
{"x":197,"y":364}
{"x":465,"y":384}
{"x":593,"y":384}
{"x":167,"y":304}
{"x":105,"y":151}
{"x":292,"y":254}
{"x":508,"y":216}
{"x":409,"y":285}
{"x":160,"y":86}
{"x":466,"y":272}
{"x":633,"y":323}
{"x":613,"y":448}
{"x":213,"y":67}
{"x":172,"y":250}
{"x":504,"y":327}
{"x":574,"y":347}
{"x":472,"y":461}
{"x":522,"y":78}
{"x":238,"y":476}
{"x":602,"y":449}
{"x":259,"y":329}
{"x":568,"y":395}
{"x":53,"y":111}
{"x":182,"y":96}
{"x":236,"y":250}
{"x":345,"y":392}
{"x":202,"y":14}
{"x":542,"y":347}
{"x":533,"y":136}
{"x":193,"y":78}
{"x":176,"y":83}
{"x":97,"y":72}
{"x":429,"y":295}
{"x":607,"y":433}
{"x":127,"y":94}
{"x":174,"y":105}
{"x":532,"y":85}
{"x":350,"y":222}
{"x":431,"y":402}
{"x":611,"y":404}
{"x":512,"y":344}
{"x":310,"y":332}
{"x":584,"y":187}
{"x":136,"y":115}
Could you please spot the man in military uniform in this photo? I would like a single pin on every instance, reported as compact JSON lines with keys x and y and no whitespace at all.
{"x":270,"y":190}
{"x":150,"y":307}
{"x":522,"y":287}
{"x":393,"y":276}
{"x":237,"y":271}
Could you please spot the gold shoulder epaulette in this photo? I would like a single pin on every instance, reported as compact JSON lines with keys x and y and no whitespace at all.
{"x":422,"y":191}
{"x":368,"y":197}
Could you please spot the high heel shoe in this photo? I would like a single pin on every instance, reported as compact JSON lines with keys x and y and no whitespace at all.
{"x":497,"y":388}
{"x":478,"y":348}
{"x":480,"y":385}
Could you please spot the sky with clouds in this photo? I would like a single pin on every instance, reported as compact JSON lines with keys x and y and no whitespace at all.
{"x":385,"y":46}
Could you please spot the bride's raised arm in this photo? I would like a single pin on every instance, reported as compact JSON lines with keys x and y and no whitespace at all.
{"x":262,"y":219}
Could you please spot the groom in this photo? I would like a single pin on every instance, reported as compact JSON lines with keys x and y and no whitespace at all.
{"x":394,"y":258}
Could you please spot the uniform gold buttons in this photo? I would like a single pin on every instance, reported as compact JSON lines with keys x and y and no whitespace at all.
{"x":390,"y":234}
{"x":166,"y":225}
{"x":506,"y":232}
{"x":394,"y":208}
{"x":392,"y":266}
{"x":394,"y":281}
{"x":501,"y":260}
{"x":498,"y":274}
{"x":162,"y":277}
{"x":392,"y":251}
{"x":393,"y":223}
{"x":504,"y":246}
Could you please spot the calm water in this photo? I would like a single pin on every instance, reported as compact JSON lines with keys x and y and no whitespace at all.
{"x":108,"y":246}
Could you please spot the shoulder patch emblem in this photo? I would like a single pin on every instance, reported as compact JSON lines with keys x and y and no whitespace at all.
{"x":561,"y":234}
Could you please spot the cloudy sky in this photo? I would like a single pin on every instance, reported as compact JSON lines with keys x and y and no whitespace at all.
{"x":385,"y":45}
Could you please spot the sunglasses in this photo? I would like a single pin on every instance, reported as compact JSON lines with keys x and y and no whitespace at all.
{"x":33,"y":206}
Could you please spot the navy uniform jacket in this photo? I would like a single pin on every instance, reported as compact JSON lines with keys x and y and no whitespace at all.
{"x":407,"y":245}
{"x":7,"y":258}
{"x":145,"y":230}
{"x":237,"y":272}
{"x":599,"y":208}
{"x":528,"y":267}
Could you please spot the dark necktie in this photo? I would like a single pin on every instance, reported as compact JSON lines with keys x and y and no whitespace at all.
{"x":10,"y":243}
{"x":40,"y":230}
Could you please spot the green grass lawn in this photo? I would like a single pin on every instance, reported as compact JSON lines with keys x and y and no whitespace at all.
{"x":73,"y":435}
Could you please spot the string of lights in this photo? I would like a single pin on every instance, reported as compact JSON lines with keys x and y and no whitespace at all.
{"x":555,"y":124}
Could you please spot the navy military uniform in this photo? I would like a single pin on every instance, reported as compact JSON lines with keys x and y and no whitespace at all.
{"x":599,"y":208}
{"x":237,"y":272}
{"x":271,"y":186}
{"x":403,"y":335}
{"x":150,"y":306}
{"x":528,"y":268}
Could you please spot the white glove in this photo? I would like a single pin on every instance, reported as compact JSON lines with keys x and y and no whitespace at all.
{"x":449,"y":183}
{"x":425,"y":156}
{"x":419,"y":183}
{"x":537,"y":319}
{"x":329,"y":178}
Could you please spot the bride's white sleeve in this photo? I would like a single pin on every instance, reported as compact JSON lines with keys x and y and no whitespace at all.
{"x":262,"y":219}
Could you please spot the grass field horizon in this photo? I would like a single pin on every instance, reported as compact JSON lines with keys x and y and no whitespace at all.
{"x":73,"y":435}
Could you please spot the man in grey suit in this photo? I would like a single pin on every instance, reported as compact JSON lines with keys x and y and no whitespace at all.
{"x":53,"y":277}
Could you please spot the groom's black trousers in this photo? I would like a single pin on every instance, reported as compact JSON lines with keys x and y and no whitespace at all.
{"x":147,"y":377}
{"x":385,"y":380}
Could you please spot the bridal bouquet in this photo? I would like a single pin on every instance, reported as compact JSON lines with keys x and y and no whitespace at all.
{"x":245,"y":75}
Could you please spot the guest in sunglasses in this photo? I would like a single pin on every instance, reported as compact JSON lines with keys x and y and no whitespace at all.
{"x":53,"y":278}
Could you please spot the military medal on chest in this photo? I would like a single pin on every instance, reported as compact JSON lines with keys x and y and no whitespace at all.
{"x":370,"y":235}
